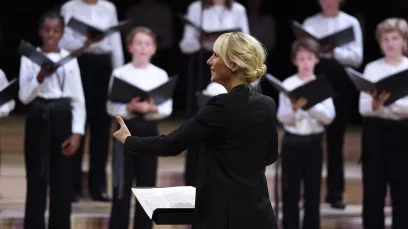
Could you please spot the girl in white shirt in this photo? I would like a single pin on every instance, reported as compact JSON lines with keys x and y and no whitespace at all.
{"x":385,"y":133}
{"x":332,"y":63}
{"x":211,"y":15}
{"x":54,"y":125}
{"x":302,"y":152}
{"x":141,"y":118}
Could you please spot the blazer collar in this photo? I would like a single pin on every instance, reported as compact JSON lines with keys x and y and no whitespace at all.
{"x":240,"y":87}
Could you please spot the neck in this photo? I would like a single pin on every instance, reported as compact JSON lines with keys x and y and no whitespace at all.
{"x":393,"y":60}
{"x":47,"y":49}
{"x":139,"y":64}
{"x":218,"y":2}
{"x":305,"y":76}
{"x":232,"y":83}
{"x":90,"y":1}
{"x":331,"y":13}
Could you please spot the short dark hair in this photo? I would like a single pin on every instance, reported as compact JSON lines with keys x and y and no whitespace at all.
{"x":140,"y":29}
{"x":305,"y":44}
{"x":52,"y":14}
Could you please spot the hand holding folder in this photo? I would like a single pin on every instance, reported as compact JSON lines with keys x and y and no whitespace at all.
{"x":396,"y":85}
{"x":328,"y":42}
{"x":28,"y":50}
{"x":204,"y":33}
{"x":93,"y":32}
{"x":314,"y":92}
{"x":124,"y":92}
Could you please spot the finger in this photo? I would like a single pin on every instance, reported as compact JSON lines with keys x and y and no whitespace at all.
{"x":65,"y":144}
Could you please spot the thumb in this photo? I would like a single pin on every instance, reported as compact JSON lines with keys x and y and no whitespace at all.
{"x":120,"y":121}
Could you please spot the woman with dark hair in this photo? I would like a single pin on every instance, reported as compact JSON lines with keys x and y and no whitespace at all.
{"x":212,"y":16}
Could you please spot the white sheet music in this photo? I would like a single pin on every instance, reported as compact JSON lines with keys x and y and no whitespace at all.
{"x":172,"y":197}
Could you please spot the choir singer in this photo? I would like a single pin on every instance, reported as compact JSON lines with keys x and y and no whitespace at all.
{"x":238,"y":130}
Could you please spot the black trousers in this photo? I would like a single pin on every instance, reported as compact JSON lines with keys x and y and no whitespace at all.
{"x":199,"y":77}
{"x":302,"y":158}
{"x":384,"y":162}
{"x":143,"y":169}
{"x":335,"y":132}
{"x":95,"y":73}
{"x":48,"y":125}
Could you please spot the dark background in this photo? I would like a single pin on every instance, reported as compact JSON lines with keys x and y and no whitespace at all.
{"x":19,"y":20}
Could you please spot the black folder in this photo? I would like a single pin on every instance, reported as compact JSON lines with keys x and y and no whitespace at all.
{"x":124,"y":92}
{"x":28,"y":50}
{"x":9,"y":92}
{"x":173,"y":216}
{"x":334,"y":40}
{"x":396,"y":84}
{"x":187,"y":21}
{"x":315,"y":91}
{"x":85,"y":29}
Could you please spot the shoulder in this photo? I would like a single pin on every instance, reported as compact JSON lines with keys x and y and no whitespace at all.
{"x":290,"y":80}
{"x":238,"y":7}
{"x":374,"y":64}
{"x":2,"y":74}
{"x":108,"y":5}
{"x":121,"y":70}
{"x":347,"y":17}
{"x":158,"y":70}
{"x":69,"y":4}
{"x":312,"y":19}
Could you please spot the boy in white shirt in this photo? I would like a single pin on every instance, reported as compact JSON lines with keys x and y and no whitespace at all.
{"x":302,"y":154}
{"x":385,"y":133}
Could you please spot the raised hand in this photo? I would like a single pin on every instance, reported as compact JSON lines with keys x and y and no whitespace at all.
{"x":123,"y":132}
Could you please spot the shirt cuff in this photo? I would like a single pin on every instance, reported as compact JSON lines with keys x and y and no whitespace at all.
{"x":78,"y":129}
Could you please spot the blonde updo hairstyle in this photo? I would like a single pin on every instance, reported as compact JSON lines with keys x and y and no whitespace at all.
{"x":398,"y":25}
{"x":243,"y":54}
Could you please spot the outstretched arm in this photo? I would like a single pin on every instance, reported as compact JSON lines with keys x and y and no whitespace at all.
{"x":209,"y":120}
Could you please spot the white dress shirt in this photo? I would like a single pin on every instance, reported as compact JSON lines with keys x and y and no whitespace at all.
{"x":101,"y":15}
{"x":374,"y":72}
{"x":6,"y":108}
{"x":214,"y":89}
{"x":146,"y":79}
{"x":215,"y":18}
{"x":67,"y":77}
{"x":350,"y":54}
{"x":303,"y":122}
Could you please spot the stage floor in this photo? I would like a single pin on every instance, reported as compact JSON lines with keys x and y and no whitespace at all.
{"x":89,"y":214}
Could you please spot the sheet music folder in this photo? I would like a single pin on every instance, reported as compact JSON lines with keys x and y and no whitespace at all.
{"x":85,"y":29}
{"x":334,"y":40}
{"x":315,"y":91}
{"x":396,"y":84}
{"x":124,"y":92}
{"x":187,"y":21}
{"x":9,"y":92}
{"x":168,"y":206}
{"x":28,"y":50}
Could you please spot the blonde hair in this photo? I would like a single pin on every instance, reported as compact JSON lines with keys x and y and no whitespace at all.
{"x":242,"y":53}
{"x":140,"y":29}
{"x":398,"y":25}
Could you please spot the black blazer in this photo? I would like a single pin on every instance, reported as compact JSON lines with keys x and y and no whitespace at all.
{"x":239,"y":138}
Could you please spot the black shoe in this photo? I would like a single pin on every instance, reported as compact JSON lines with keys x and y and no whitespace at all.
{"x":338,"y":204}
{"x":102,"y":197}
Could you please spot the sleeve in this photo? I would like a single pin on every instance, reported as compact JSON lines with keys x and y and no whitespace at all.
{"x":207,"y":122}
{"x":274,"y":144}
{"x":286,"y":115}
{"x":190,"y":44}
{"x":324,"y":112}
{"x":70,"y":40}
{"x":243,"y":17}
{"x":6,"y":108}
{"x":351,"y":54}
{"x":115,"y":41}
{"x":29,"y":85}
{"x":115,"y":109}
{"x":365,"y":102}
{"x":165,"y":109}
{"x":77,"y":99}
{"x":400,"y":108}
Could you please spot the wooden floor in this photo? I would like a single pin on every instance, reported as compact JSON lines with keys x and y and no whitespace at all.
{"x":88,"y":214}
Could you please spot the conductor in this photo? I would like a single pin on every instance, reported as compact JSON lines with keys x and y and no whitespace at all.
{"x":238,"y":131}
